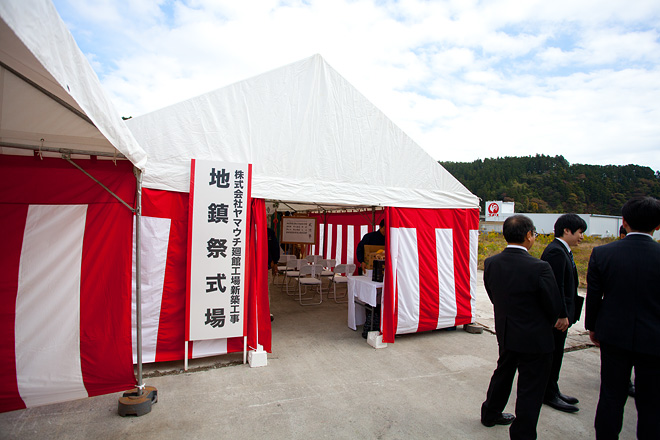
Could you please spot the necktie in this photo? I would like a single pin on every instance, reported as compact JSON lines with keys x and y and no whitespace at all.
{"x":572,"y":260}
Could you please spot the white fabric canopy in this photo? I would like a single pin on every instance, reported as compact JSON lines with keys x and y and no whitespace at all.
{"x":50,"y":96}
{"x":311,"y":137}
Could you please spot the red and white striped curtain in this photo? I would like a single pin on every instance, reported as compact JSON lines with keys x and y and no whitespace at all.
{"x":65,"y":284}
{"x":431,"y":269}
{"x":340,"y":233}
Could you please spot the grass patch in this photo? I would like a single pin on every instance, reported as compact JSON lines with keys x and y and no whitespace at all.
{"x":492,"y":243}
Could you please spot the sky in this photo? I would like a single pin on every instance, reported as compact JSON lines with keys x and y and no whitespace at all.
{"x":465,"y":79}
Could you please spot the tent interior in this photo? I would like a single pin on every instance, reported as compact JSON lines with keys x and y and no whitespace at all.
{"x":295,"y":330}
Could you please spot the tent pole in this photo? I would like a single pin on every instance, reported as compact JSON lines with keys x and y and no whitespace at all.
{"x":138,"y":279}
{"x":138,"y":401}
{"x":325,"y":232}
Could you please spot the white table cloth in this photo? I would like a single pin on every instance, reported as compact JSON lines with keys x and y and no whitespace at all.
{"x":361,"y":288}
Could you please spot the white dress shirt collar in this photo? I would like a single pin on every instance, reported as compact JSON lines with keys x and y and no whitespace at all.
{"x":568,"y":248}
{"x":517,"y":246}
{"x":639,"y":233}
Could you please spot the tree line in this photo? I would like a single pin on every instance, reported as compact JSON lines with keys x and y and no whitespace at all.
{"x":550,"y":184}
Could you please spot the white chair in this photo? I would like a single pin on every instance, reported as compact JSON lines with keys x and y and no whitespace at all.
{"x":309,"y":275}
{"x":313,"y":259}
{"x":338,"y":278}
{"x":281,"y":265}
{"x":292,"y":271}
{"x":328,"y":265}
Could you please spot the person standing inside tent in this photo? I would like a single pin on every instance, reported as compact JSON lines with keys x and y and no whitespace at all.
{"x":569,"y":233}
{"x":273,"y":251}
{"x":273,"y":257}
{"x":526,"y":303}
{"x":623,"y":319}
{"x":375,"y":238}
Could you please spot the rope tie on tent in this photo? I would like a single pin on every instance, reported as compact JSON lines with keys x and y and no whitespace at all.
{"x":41,"y":156}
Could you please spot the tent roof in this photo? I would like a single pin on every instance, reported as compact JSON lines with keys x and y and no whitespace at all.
{"x":311,"y":137}
{"x":50,"y":96}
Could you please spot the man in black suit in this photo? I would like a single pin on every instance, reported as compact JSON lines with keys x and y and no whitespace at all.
{"x":376,"y":238}
{"x":526,"y":303}
{"x":569,"y":230}
{"x":623,"y":318}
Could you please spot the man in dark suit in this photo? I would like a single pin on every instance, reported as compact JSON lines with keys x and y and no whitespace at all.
{"x":376,"y":238}
{"x":526,"y":303}
{"x":569,"y":229}
{"x":623,"y":318}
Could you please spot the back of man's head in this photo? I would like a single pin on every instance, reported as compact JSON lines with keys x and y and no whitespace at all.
{"x":642,"y":213}
{"x":572,"y":222}
{"x":382,"y":223}
{"x":516,"y":227}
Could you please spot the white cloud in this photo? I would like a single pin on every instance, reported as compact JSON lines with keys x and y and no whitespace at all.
{"x":465,"y":79}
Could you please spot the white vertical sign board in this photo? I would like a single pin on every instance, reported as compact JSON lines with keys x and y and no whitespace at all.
{"x":217,"y":249}
{"x":493,"y":210}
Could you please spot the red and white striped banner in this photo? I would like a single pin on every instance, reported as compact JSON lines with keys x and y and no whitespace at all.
{"x":340,"y":233}
{"x":431,"y":269}
{"x":65,"y":281}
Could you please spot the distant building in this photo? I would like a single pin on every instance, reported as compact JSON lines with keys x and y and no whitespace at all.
{"x":597,"y":225}
{"x":496,"y":209}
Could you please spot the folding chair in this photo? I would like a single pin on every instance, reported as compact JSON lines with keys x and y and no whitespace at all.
{"x":313,"y":259}
{"x":281,"y":265}
{"x":292,"y":271}
{"x":309,"y":275}
{"x":327,"y":273}
{"x":338,"y":278}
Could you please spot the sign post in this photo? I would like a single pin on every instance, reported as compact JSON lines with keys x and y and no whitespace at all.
{"x":217,"y":254}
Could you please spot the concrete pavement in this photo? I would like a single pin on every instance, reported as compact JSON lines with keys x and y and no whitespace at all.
{"x":324,"y":381}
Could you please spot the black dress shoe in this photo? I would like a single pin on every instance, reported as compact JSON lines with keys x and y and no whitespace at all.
{"x":558,"y":404}
{"x":568,"y":399}
{"x":504,"y":419}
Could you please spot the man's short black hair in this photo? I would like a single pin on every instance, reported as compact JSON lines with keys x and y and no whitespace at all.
{"x":516,"y":227}
{"x":382,"y":223}
{"x":622,"y":231}
{"x":572,"y":222}
{"x":642,"y":213}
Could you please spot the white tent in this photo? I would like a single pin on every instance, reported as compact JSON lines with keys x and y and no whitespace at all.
{"x":57,"y":221}
{"x":311,"y":137}
{"x":315,"y":143}
{"x":51,"y":99}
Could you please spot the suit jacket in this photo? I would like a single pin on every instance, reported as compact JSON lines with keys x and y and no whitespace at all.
{"x":525,"y":298}
{"x":566,"y":276}
{"x":623,"y":294}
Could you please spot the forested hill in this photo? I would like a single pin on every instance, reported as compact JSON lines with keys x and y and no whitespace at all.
{"x":550,"y":184}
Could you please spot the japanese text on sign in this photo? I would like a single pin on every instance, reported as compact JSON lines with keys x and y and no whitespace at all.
{"x":217,"y":249}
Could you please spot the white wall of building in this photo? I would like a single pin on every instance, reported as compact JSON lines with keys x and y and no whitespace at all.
{"x":597,"y":225}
